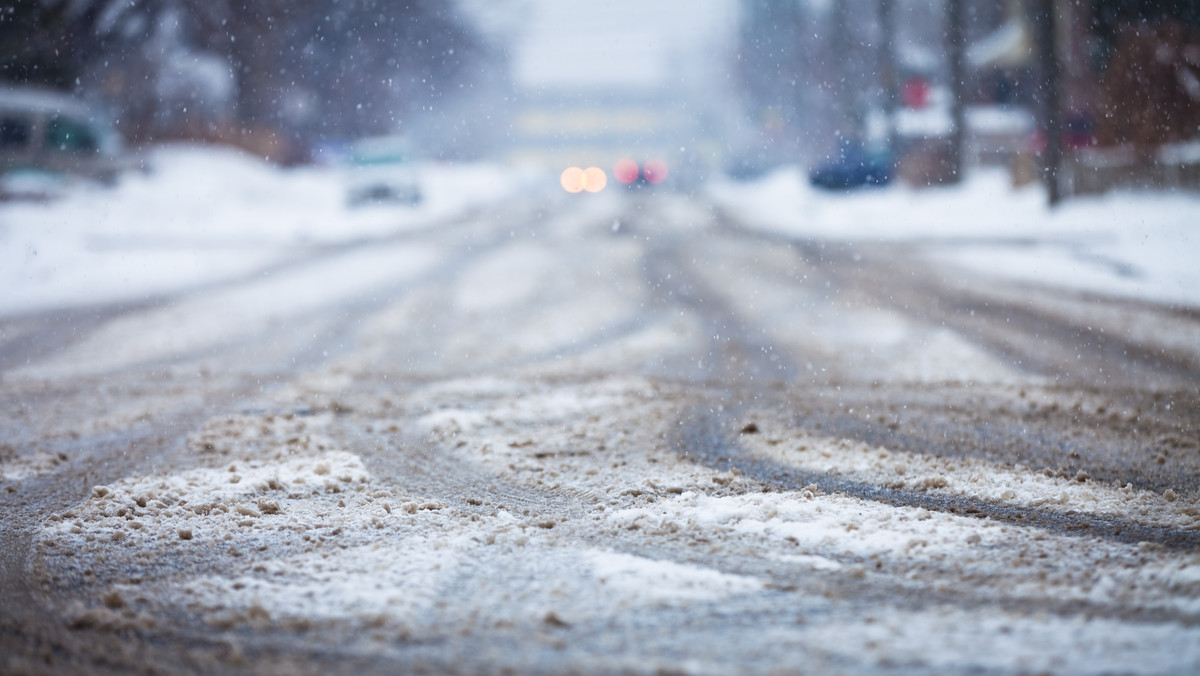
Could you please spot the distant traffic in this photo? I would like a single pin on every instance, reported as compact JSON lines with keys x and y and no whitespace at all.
{"x":626,"y":171}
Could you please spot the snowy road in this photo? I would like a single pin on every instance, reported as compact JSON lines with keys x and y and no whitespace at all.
{"x":624,"y":433}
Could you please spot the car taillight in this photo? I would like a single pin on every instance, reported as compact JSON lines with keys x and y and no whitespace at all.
{"x":625,"y":171}
{"x":655,"y":171}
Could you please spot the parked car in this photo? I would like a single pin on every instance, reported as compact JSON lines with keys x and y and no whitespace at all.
{"x":855,"y":165}
{"x":46,"y":136}
{"x":381,"y":170}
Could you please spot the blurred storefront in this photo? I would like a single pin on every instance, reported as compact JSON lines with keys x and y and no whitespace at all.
{"x":1144,"y":60}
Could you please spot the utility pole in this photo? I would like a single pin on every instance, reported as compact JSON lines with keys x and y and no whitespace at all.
{"x":956,"y":49}
{"x":887,"y":70}
{"x":843,"y":51}
{"x":1046,"y":34}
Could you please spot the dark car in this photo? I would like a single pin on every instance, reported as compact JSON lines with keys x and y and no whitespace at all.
{"x":854,"y":166}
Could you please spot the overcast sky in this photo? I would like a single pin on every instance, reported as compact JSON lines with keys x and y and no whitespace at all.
{"x":612,"y":43}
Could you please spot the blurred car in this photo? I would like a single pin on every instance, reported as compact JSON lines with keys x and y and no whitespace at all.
{"x":855,"y":165}
{"x":47,"y":137}
{"x":381,"y":171}
{"x":632,"y":175}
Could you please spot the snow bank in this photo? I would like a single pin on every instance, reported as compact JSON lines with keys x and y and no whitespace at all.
{"x":1133,"y":244}
{"x":204,"y":214}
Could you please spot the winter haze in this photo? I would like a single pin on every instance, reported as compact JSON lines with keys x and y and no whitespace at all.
{"x":659,"y":337}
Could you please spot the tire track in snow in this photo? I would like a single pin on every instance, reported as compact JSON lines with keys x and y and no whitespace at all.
{"x":1026,"y":334}
{"x":708,"y":432}
{"x":31,"y":621}
{"x":714,"y":441}
{"x":735,"y":351}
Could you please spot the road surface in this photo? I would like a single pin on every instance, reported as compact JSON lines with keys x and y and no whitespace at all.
{"x":602,"y":434}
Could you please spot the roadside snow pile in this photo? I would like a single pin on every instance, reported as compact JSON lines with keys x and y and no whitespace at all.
{"x":1134,"y":244}
{"x":203,"y":214}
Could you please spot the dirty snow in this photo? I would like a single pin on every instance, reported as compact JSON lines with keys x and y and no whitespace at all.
{"x":312,"y":539}
{"x":915,"y":543}
{"x":620,"y":526}
{"x":974,"y":478}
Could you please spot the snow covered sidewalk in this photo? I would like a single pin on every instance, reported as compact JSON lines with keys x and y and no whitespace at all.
{"x":1131,"y":244}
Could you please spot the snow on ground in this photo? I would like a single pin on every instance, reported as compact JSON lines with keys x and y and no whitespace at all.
{"x":309,"y":536}
{"x":246,"y":312}
{"x":1133,"y":244}
{"x":917,"y":543}
{"x":974,"y":478}
{"x":199,"y":215}
{"x":300,"y":519}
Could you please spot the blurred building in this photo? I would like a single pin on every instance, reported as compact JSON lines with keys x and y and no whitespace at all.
{"x":1130,"y":95}
{"x":584,"y":128}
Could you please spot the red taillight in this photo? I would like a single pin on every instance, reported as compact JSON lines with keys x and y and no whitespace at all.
{"x":625,"y":171}
{"x":655,"y":171}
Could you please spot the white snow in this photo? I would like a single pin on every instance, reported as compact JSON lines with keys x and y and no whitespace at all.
{"x":1132,"y":244}
{"x":654,"y":580}
{"x":207,"y":503}
{"x":342,"y":544}
{"x":932,"y":641}
{"x":199,"y":322}
{"x":399,"y":577}
{"x":973,"y":478}
{"x":505,"y":279}
{"x":200,"y":215}
{"x":828,"y":532}
{"x":203,"y":215}
{"x":321,"y":540}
